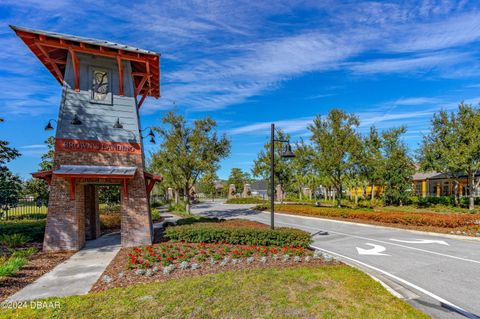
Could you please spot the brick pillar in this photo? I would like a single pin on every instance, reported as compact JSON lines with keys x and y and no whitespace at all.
{"x":136,"y":220}
{"x":92,"y":218}
{"x":247,"y":191}
{"x":232,"y":192}
{"x":65,"y":227}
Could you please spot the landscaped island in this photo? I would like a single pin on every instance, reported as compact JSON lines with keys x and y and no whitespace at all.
{"x":228,"y":269}
{"x":334,"y":291}
{"x":466,"y":224}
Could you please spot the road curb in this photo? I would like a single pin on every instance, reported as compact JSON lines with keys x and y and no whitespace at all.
{"x":467,"y":238}
{"x":384,"y":285}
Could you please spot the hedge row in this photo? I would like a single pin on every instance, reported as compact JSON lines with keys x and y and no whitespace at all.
{"x":246,"y":200}
{"x":238,"y":233}
{"x":403,"y":218}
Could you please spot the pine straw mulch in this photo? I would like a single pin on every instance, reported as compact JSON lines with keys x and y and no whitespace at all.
{"x":469,"y":231}
{"x":39,"y":264}
{"x":124,"y":277}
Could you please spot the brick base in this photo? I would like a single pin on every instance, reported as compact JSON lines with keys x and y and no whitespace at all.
{"x":66,"y":218}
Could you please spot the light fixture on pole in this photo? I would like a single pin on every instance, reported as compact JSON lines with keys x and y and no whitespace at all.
{"x":150,"y":134}
{"x":287,"y":153}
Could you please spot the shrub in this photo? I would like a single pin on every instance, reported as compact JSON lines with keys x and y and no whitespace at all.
{"x":181,"y":207}
{"x":13,"y":240}
{"x":12,"y":265}
{"x":238,"y":233}
{"x":16,"y":261}
{"x":246,"y":200}
{"x":34,"y":229}
{"x":367,"y":203}
{"x":24,"y":252}
{"x":155,"y":214}
{"x":110,"y":221}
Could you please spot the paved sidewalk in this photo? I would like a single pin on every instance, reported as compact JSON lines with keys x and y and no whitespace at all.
{"x":75,"y":276}
{"x":78,"y":274}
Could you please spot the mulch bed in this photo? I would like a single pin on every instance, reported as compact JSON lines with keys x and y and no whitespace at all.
{"x":39,"y":264}
{"x":460,"y":231}
{"x":122,"y":276}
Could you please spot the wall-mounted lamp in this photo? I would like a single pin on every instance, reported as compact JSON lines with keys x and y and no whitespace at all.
{"x":118,"y":124}
{"x":76,"y":120}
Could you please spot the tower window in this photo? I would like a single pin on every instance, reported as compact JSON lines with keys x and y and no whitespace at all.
{"x":100,"y":85}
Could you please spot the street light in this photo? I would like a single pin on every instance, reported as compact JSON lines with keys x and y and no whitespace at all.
{"x":49,"y":126}
{"x":287,"y":153}
{"x":150,"y":134}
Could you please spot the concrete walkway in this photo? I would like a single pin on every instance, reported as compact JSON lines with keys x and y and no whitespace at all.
{"x":75,"y":276}
{"x":78,"y":274}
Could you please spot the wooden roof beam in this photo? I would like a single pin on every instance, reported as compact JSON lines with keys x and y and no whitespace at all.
{"x":52,"y":64}
{"x":76,"y":68}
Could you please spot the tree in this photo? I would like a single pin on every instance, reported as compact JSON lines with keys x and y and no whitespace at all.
{"x":109,"y":194}
{"x":10,"y":188}
{"x":303,"y":171}
{"x":47,"y":159}
{"x":335,"y":140}
{"x":10,"y":185}
{"x":398,"y":167}
{"x":207,"y":183}
{"x":7,"y":153}
{"x":238,"y":178}
{"x":188,"y":151}
{"x":453,"y":146}
{"x":283,"y":171}
{"x":373,"y":160}
{"x":37,"y":188}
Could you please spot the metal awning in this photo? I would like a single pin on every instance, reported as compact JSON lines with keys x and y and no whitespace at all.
{"x":95,"y":171}
{"x":90,"y":171}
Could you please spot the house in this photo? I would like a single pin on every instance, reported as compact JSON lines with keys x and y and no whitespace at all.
{"x":440,"y":184}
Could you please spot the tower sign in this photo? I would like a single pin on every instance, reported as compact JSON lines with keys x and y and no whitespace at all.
{"x":98,"y":137}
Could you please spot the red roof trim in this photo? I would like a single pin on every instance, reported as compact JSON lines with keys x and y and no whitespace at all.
{"x":154,"y":177}
{"x":53,"y":51}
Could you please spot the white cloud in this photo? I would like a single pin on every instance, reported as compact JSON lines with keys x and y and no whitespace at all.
{"x":448,"y":33}
{"x":288,"y":126}
{"x":406,"y":65}
{"x":33,"y":146}
{"x":420,"y":100}
{"x":223,"y":53}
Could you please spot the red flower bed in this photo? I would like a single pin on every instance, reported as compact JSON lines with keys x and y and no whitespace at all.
{"x":175,"y":253}
{"x":402,"y":218}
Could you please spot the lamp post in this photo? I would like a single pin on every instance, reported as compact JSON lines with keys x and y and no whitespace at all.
{"x":150,"y":134}
{"x":287,"y":153}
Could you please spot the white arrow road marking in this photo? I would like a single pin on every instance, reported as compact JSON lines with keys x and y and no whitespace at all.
{"x":421,"y":241}
{"x":376,"y":250}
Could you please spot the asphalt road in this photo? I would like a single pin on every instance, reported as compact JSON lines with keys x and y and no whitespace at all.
{"x":436,"y":274}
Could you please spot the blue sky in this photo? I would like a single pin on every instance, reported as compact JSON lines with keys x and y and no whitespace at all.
{"x":249,"y":63}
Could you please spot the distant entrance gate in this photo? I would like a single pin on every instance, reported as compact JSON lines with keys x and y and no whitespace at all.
{"x":98,"y":136}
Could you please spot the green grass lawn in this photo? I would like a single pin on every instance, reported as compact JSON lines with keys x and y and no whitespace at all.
{"x":304,"y":292}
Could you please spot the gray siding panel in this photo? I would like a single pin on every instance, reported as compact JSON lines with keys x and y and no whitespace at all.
{"x":97,"y":118}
